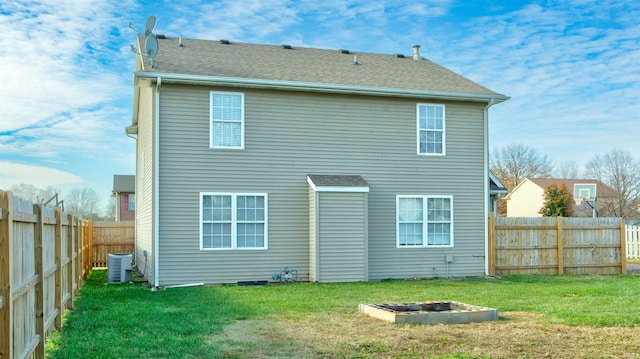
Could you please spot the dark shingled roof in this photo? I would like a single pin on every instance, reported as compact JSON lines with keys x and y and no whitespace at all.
{"x":338,"y":180}
{"x":124,"y":183}
{"x":306,"y":65}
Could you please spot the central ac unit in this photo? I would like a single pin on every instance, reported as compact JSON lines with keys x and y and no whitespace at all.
{"x":119,"y":268}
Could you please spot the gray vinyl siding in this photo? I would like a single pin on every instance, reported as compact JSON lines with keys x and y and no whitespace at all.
{"x":342,"y":237}
{"x":144,"y":184}
{"x":289,"y":135}
{"x":313,"y":235}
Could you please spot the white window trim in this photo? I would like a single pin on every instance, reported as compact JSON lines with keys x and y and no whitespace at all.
{"x":425,"y":239}
{"x":234,"y":221}
{"x":211,"y":145}
{"x":444,"y":130}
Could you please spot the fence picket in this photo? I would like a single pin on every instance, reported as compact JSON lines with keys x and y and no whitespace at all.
{"x":633,"y":241}
{"x":35,"y":243}
{"x":6,"y":296}
{"x":111,"y":237}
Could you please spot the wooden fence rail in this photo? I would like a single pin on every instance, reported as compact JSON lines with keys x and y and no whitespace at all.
{"x":42,"y":265}
{"x":549,"y":245}
{"x":633,"y":241}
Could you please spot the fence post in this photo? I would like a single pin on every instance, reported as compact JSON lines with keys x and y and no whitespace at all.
{"x":623,"y":247}
{"x":59,"y":268}
{"x":39,"y":287}
{"x":78,"y":262}
{"x":560,"y":249}
{"x":6,"y":299}
{"x":492,"y":244}
{"x":70,"y":240}
{"x":87,"y":260}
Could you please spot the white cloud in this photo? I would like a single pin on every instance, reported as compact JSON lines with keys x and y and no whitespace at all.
{"x":246,"y":21}
{"x":12,"y":173}
{"x":570,"y":68}
{"x":92,"y":134}
{"x":53,"y":59}
{"x":425,"y":9}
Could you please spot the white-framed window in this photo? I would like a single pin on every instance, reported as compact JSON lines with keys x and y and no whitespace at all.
{"x":424,"y":221}
{"x":431,"y":129}
{"x":131,"y":203}
{"x":233,"y":221}
{"x":227,"y":120}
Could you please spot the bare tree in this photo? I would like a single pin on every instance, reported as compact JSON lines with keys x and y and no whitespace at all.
{"x":83,"y":202}
{"x":515,"y":162}
{"x":110,"y":210}
{"x":26,"y":191}
{"x":32,"y":193}
{"x":619,"y":170}
{"x":568,"y":170}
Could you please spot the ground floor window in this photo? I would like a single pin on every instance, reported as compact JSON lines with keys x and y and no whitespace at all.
{"x":233,"y":221}
{"x":424,"y":221}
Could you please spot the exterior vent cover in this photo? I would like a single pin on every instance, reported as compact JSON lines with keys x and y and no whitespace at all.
{"x":119,"y":268}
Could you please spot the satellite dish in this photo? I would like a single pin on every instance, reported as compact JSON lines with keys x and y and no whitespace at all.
{"x":150,"y":41}
{"x":150,"y":25}
{"x":151,"y":46}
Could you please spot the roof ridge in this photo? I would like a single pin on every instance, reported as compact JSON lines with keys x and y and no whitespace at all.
{"x":269,"y":62}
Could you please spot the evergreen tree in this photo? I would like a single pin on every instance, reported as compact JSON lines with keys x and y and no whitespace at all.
{"x":557,"y":201}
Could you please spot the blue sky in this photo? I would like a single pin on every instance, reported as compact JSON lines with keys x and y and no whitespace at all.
{"x":572,"y":69}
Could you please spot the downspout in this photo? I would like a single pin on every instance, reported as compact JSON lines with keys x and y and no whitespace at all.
{"x":486,"y":184}
{"x":135,"y":221}
{"x":156,"y":186}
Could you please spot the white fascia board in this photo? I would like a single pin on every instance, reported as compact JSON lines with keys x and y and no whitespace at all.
{"x":340,"y":189}
{"x":318,"y":87}
{"x":352,"y":189}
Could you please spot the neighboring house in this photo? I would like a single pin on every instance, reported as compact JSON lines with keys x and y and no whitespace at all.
{"x":124,"y":190}
{"x":496,"y":191}
{"x":343,"y":166}
{"x":527,"y":198}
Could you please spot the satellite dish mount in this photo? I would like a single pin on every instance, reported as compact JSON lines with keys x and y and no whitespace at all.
{"x":150,"y":42}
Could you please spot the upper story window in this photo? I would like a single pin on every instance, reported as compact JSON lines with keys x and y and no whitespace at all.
{"x":431,"y":129}
{"x":131,"y":202}
{"x":227,"y":120}
{"x":424,"y":221}
{"x":233,"y":221}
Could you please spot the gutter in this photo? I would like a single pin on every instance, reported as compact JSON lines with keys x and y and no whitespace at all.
{"x":317,"y":87}
{"x":486,"y":185}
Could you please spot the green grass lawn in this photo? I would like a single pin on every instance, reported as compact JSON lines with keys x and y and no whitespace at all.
{"x":131,"y":321}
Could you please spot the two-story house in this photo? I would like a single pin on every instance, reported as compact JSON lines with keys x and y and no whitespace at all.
{"x":124,"y":191}
{"x":343,"y":166}
{"x":527,"y":198}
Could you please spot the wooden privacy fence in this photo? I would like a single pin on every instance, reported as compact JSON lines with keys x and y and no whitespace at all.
{"x":556,"y":245}
{"x":111,"y":237}
{"x":42,"y":251}
{"x":633,"y":241}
